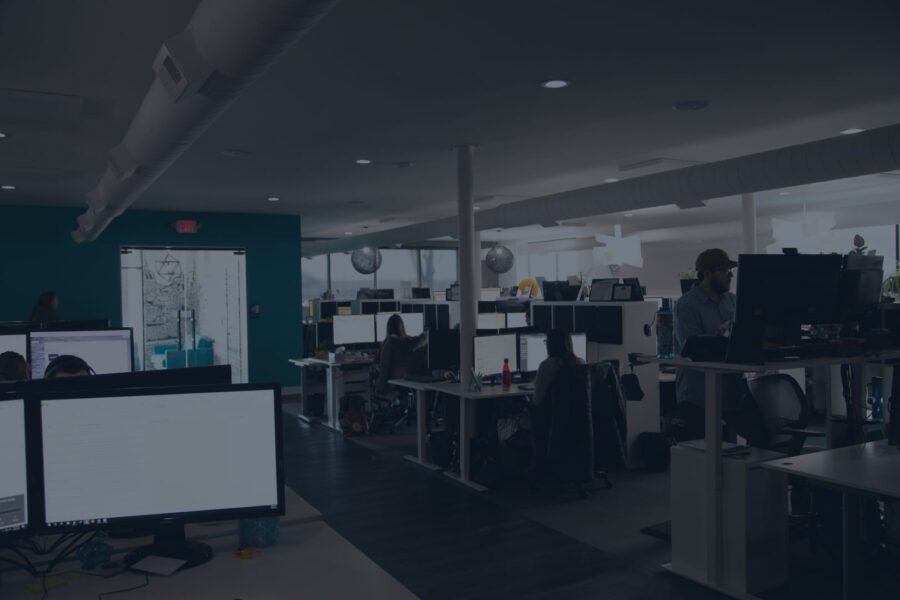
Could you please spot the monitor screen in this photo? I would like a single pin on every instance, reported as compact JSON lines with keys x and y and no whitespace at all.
{"x":443,"y":349}
{"x":14,"y":342}
{"x":196,"y":454}
{"x":491,"y":321}
{"x":490,"y":350}
{"x":860,"y":284}
{"x":533,"y":349}
{"x":413,"y":323}
{"x":353,"y":329}
{"x":13,"y":467}
{"x":421,"y":292}
{"x":106,"y":350}
{"x":560,"y":291}
{"x":515,"y":320}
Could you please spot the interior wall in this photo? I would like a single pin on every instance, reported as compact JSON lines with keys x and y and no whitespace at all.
{"x":39,"y":254}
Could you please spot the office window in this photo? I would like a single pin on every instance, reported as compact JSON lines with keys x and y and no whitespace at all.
{"x":314,"y":272}
{"x":399,"y":268}
{"x":345,"y":280}
{"x":439,"y":269}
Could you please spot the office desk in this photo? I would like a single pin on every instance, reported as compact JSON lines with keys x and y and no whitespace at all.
{"x":336,"y":383}
{"x":869,"y":469}
{"x":467,"y":399}
{"x":714,"y":374}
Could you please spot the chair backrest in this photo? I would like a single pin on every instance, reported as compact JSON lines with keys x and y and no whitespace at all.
{"x":570,"y":438}
{"x":781,"y":403}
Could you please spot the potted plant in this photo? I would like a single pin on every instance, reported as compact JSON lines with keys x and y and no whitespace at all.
{"x":687,"y":279}
{"x":891,"y":285}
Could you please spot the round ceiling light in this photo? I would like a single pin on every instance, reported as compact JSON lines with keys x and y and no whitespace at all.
{"x":852,"y":130}
{"x":690,"y":105}
{"x":273,"y":198}
{"x":348,"y":233}
{"x":610,"y":180}
{"x":7,"y":187}
{"x":363,"y":161}
{"x":2,"y":135}
{"x":555,"y":84}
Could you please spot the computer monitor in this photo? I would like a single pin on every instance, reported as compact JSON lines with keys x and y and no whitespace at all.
{"x":533,"y":350}
{"x":860,"y":285}
{"x":353,"y":329}
{"x":777,"y":293}
{"x":490,"y":350}
{"x":443,"y":349}
{"x":105,"y":350}
{"x":183,"y":377}
{"x":515,"y":320}
{"x":421,"y":292}
{"x":14,"y":502}
{"x":560,"y":291}
{"x":413,"y":323}
{"x":161,"y":457}
{"x":602,"y":289}
{"x":491,"y":321}
{"x":14,"y":342}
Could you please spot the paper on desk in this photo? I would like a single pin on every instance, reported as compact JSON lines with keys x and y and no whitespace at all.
{"x":160,"y":565}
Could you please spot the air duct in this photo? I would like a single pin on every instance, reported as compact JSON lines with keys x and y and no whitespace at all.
{"x":873,"y":151}
{"x":199,"y":72}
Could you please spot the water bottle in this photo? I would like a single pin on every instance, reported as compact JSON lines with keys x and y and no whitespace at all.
{"x":665,"y":331}
{"x":506,"y":380}
{"x":877,"y":400}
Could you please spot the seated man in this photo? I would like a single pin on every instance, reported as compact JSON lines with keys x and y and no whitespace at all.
{"x":67,"y":365}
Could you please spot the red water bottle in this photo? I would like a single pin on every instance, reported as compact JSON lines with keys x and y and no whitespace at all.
{"x":506,"y":376}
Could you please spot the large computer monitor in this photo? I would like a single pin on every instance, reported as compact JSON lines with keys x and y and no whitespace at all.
{"x":516,"y":320}
{"x":105,"y":350}
{"x":777,"y":293}
{"x":14,"y":342}
{"x":132,"y":457}
{"x":443,"y":349}
{"x":353,"y":329}
{"x":860,"y":284}
{"x":533,"y":349}
{"x":560,"y":291}
{"x":413,"y":323}
{"x":14,"y":503}
{"x":490,"y":350}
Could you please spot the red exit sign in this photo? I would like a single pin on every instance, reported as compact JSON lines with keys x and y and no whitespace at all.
{"x":186,"y":226}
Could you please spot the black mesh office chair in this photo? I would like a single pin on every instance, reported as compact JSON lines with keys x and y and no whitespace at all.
{"x":784,"y":413}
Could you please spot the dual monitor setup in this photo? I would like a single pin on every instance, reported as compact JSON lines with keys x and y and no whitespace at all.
{"x":105,"y":350}
{"x":525,"y":351}
{"x":78,"y":460}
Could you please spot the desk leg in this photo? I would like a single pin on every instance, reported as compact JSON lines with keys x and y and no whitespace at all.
{"x":465,"y":433}
{"x":850,"y":580}
{"x":421,"y":428}
{"x":713,"y":467}
{"x":304,"y":393}
{"x":333,"y":397}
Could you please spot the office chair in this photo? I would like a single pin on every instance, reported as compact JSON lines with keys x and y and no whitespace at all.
{"x":784,"y":412}
{"x":564,"y":430}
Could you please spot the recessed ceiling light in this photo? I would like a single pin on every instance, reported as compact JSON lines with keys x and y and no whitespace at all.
{"x":363,"y":161}
{"x":273,"y":198}
{"x":629,"y":214}
{"x":348,"y":233}
{"x":555,"y":84}
{"x":690,"y":105}
{"x":2,"y":135}
{"x":851,"y":131}
{"x":611,"y":180}
{"x":784,"y":193}
{"x":7,"y":187}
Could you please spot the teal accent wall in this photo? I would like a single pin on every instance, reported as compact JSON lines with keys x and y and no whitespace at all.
{"x":37,"y":253}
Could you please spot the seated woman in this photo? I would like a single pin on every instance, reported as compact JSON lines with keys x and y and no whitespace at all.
{"x":399,"y":355}
{"x":67,"y":365}
{"x":13,"y":367}
{"x":559,"y":354}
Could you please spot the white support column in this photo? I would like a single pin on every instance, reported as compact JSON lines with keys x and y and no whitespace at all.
{"x":748,"y":204}
{"x":469,"y":286}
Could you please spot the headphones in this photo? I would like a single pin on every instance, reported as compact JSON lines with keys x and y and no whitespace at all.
{"x":66,"y":363}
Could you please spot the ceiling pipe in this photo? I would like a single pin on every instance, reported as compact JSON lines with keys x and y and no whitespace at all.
{"x":872,"y":151}
{"x":226,"y":46}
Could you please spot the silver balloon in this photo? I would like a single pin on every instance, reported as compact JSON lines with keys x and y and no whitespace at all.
{"x":499,"y":259}
{"x":366,"y":260}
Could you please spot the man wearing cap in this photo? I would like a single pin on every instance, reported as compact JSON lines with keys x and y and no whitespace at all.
{"x":707,"y":308}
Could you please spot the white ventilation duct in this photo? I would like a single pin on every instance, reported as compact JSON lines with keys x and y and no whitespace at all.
{"x":199,"y":72}
{"x":873,"y":151}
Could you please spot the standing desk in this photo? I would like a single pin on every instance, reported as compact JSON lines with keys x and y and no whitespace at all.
{"x":338,"y":378}
{"x":715,"y":372}
{"x":869,"y":469}
{"x":467,"y":399}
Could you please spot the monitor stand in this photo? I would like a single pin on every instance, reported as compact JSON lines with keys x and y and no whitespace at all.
{"x":169,"y":541}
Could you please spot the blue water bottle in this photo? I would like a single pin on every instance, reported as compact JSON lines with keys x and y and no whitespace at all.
{"x":877,"y":399}
{"x":665,"y":331}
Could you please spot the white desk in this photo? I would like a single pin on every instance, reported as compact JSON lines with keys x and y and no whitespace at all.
{"x":869,"y":469}
{"x":467,"y":399}
{"x":714,"y":372}
{"x":335,"y":384}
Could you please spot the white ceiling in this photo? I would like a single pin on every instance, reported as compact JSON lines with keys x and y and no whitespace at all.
{"x":401,"y":81}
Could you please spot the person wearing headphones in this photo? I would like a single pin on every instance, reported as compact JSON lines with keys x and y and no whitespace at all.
{"x":67,"y":365}
{"x":13,"y":367}
{"x":707,"y":308}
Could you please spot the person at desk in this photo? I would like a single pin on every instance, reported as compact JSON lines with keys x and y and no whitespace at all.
{"x":45,"y":309}
{"x":67,"y":365}
{"x":560,"y":353}
{"x":13,"y":367}
{"x":399,"y":355}
{"x":706,"y":309}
